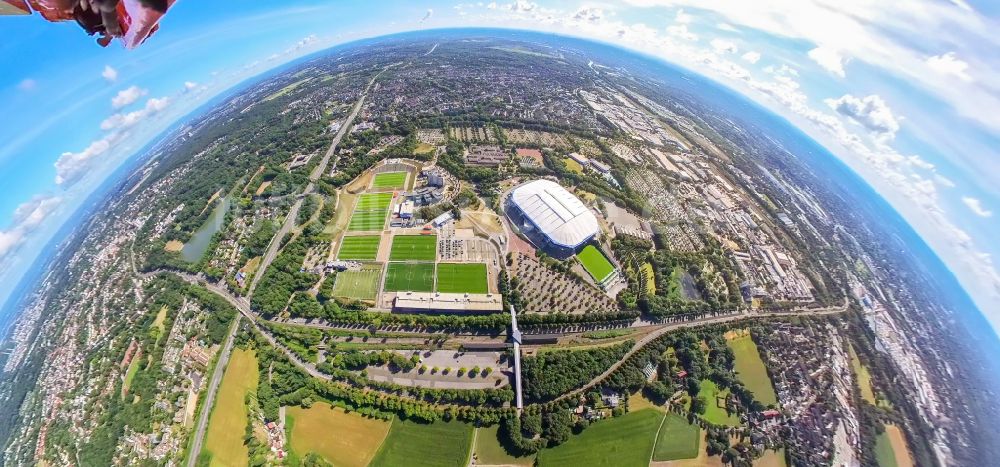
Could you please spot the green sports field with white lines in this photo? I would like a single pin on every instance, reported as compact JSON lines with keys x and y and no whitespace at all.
{"x":413,"y":248}
{"x":389,"y":180}
{"x":369,"y":213}
{"x":359,"y":248}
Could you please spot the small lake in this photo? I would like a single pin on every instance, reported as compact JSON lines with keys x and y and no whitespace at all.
{"x":195,"y":248}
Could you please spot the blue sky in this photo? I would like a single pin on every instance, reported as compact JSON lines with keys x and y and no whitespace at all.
{"x":909,"y":98}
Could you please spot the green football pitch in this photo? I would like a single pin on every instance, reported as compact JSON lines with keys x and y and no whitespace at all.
{"x":389,"y":180}
{"x":413,"y":248}
{"x":595,"y":263}
{"x":415,"y":277}
{"x":359,"y":248}
{"x":367,"y":221}
{"x":372,"y":201}
{"x":461,"y":278}
{"x":361,"y":285}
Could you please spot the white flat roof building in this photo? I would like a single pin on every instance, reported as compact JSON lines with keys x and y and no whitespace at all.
{"x":447,"y":302}
{"x":561,"y":217}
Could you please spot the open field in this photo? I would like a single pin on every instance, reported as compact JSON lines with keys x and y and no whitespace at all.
{"x":228,"y":421}
{"x":389,"y":180}
{"x":413,"y":248}
{"x":287,"y":89}
{"x":130,"y":372}
{"x":461,"y":278}
{"x":359,"y":248}
{"x":864,"y":377}
{"x":173,"y":246}
{"x":373,"y":201}
{"x":409,"y":277}
{"x":751,"y":370}
{"x":647,"y":269}
{"x":573,"y":165}
{"x":677,"y":439}
{"x":362,"y":285}
{"x":161,"y":316}
{"x":434,"y":444}
{"x":342,"y":438}
{"x":715,"y":405}
{"x":595,"y":263}
{"x":367,"y":220}
{"x":891,"y":450}
{"x":424,"y":148}
{"x":489,"y":451}
{"x":622,"y":441}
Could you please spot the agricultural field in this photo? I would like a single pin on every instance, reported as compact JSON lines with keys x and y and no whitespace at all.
{"x":228,"y":421}
{"x":621,"y":441}
{"x":361,"y":285}
{"x":678,"y":439}
{"x":416,"y":277}
{"x":342,"y":438}
{"x":891,"y":450}
{"x":413,"y":248}
{"x":489,"y":451}
{"x":595,"y":263}
{"x":715,"y":405}
{"x":389,"y":180}
{"x":461,"y":278}
{"x":359,"y":248}
{"x":751,"y":370}
{"x":417,"y":444}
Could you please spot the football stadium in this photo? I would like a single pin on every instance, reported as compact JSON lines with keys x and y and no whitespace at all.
{"x":552,"y":218}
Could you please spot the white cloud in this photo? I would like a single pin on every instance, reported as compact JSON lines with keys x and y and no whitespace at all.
{"x":724,"y":46}
{"x":682,"y":17}
{"x":109,"y":74}
{"x":680,"y":31}
{"x":27,"y":84}
{"x":127,"y":96}
{"x":526,"y":6}
{"x":976,"y":206}
{"x":588,"y":14}
{"x":190,"y":85}
{"x":830,"y":59}
{"x":427,"y":16}
{"x":949,"y":64}
{"x":751,"y":56}
{"x":27,"y":217}
{"x":727,"y":27}
{"x":870,"y":112}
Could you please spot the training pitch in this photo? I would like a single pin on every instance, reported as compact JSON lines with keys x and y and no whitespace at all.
{"x":461,"y":278}
{"x":413,"y":248}
{"x":595,"y":263}
{"x":361,"y":285}
{"x":359,"y":248}
{"x":389,"y":180}
{"x":415,"y":277}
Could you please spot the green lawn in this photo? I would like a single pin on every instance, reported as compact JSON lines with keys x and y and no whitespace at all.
{"x":715,"y":408}
{"x":370,"y":201}
{"x":595,"y":263}
{"x":360,"y":248}
{"x":413,"y":248}
{"x":621,"y":441}
{"x":437,"y":444}
{"x":389,"y":180}
{"x":133,"y":367}
{"x":751,"y":370}
{"x":342,"y":438}
{"x":415,"y":277}
{"x":361,"y":285}
{"x":461,"y":278}
{"x":489,"y":451}
{"x":367,"y":220}
{"x":678,"y":439}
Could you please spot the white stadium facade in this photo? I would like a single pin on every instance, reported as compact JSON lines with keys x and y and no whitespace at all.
{"x":552,"y":218}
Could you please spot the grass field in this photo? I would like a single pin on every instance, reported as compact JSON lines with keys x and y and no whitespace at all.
{"x":364,"y":221}
{"x":161,"y":316}
{"x":864,"y":377}
{"x":372,"y":201}
{"x":359,"y":248}
{"x":595,"y":263}
{"x":647,"y":269}
{"x":130,"y":372}
{"x":362,"y":285}
{"x":751,"y":370}
{"x":573,"y":165}
{"x":389,"y":180}
{"x":413,"y":248}
{"x":417,"y":277}
{"x":890,"y":448}
{"x":489,"y":451}
{"x":228,"y":421}
{"x":342,"y":438}
{"x":715,"y":409}
{"x":424,"y":148}
{"x":461,"y":278}
{"x":622,"y":441}
{"x":416,"y":444}
{"x":677,"y":439}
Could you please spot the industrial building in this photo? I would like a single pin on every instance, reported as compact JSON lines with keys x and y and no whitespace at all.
{"x":550,"y":217}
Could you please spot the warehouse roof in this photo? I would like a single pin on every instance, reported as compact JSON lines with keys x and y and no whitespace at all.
{"x":558,"y":214}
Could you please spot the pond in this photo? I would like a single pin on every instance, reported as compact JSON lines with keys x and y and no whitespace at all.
{"x":195,"y":248}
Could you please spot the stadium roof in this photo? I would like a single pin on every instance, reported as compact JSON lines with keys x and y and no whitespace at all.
{"x":558,"y":214}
